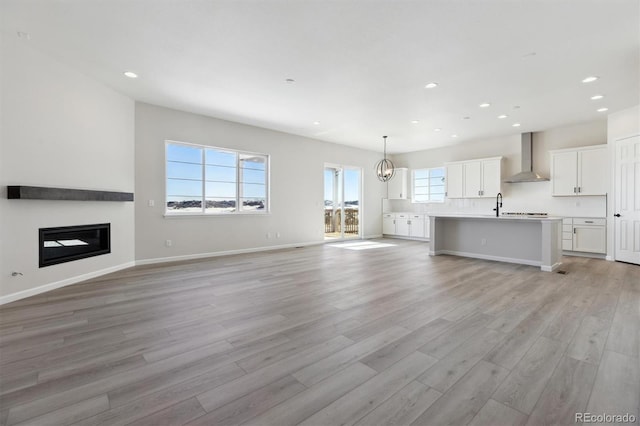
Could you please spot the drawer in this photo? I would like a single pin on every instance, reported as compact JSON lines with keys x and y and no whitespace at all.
{"x":567,"y":228}
{"x":389,"y":215}
{"x":567,"y":221}
{"x":417,"y":216}
{"x":589,"y":221}
{"x":567,"y":244}
{"x":402,"y":216}
{"x":567,"y":235}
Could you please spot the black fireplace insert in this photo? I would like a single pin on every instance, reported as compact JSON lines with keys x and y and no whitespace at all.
{"x":68,"y":243}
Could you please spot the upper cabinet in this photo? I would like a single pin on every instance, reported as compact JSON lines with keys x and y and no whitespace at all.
{"x":579,"y":171}
{"x":397,"y":186}
{"x":474,"y":178}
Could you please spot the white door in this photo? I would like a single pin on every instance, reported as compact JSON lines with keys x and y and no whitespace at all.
{"x":564,"y":173}
{"x":627,"y":200}
{"x":472,"y":183}
{"x":490,"y":178}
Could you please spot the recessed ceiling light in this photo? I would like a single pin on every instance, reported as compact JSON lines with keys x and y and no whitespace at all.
{"x":516,"y":107}
{"x":415,"y":121}
{"x":23,"y":35}
{"x":437,"y":129}
{"x":316,"y":123}
{"x":466,"y":118}
{"x":590,"y":79}
{"x":516,"y":124}
{"x":454,"y":136}
{"x":596,"y":97}
{"x":502,"y":116}
{"x":484,"y":105}
{"x":289,"y":81}
{"x":131,"y":74}
{"x":603,"y":109}
{"x":431,"y":85}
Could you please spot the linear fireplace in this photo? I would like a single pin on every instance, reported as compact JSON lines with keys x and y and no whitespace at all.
{"x":67,"y":243}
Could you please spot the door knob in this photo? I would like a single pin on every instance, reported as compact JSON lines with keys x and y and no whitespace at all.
{"x":617,"y":215}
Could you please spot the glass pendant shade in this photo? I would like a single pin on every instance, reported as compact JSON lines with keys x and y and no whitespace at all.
{"x":385,"y":169}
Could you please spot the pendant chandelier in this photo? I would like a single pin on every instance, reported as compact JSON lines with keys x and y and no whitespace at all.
{"x":385,"y":169}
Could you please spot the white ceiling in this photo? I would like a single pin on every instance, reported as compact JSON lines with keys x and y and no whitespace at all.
{"x":360,"y":67}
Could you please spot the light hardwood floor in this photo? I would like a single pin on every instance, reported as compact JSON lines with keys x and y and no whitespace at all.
{"x":325,"y":335}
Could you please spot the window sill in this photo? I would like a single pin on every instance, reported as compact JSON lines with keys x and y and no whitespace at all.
{"x":184,"y":215}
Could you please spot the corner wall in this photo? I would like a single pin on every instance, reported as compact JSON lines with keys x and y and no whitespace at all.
{"x":296,"y":188}
{"x":60,"y":129}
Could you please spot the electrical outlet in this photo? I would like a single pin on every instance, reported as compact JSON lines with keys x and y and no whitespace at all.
{"x":483,"y":241}
{"x":277,"y":235}
{"x":152,"y":203}
{"x":168,"y":243}
{"x":268,"y":235}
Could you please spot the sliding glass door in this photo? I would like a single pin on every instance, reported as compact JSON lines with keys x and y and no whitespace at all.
{"x":342,"y":207}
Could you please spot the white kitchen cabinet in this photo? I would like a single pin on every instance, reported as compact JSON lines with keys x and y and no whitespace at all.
{"x":388,"y":224}
{"x":397,"y":186}
{"x":474,"y":178}
{"x":587,"y":235}
{"x":454,"y":180}
{"x":402,"y":224}
{"x":579,"y":171}
{"x":410,"y":225}
{"x":416,"y":226}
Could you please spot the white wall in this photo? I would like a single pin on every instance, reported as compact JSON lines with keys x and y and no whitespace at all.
{"x":297,"y":198}
{"x":620,"y":125}
{"x":526,"y":196}
{"x":60,"y":129}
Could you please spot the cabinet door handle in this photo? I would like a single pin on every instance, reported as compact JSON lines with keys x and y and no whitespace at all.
{"x":574,"y":230}
{"x":574,"y":190}
{"x":588,"y":221}
{"x":617,"y":215}
{"x":579,"y":189}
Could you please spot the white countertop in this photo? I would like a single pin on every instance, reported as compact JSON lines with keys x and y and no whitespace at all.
{"x":488,"y":216}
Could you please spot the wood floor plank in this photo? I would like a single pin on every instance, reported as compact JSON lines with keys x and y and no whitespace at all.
{"x":328,"y":366}
{"x":566,"y":393}
{"x":493,"y":413}
{"x":156,"y":402}
{"x":252,"y":404}
{"x":465,"y":399}
{"x":354,"y":405}
{"x":443,"y":374}
{"x":403,"y":407}
{"x":588,"y":343}
{"x":231,"y":391}
{"x":617,"y":386}
{"x":395,"y":351}
{"x":524,"y":385}
{"x":178,"y":414}
{"x":455,"y":336}
{"x":70,"y":413}
{"x":318,"y":396}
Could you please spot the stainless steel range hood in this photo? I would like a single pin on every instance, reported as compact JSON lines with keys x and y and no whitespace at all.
{"x":526,"y":174}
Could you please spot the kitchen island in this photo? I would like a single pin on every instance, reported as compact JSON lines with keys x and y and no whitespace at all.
{"x":535,"y":241}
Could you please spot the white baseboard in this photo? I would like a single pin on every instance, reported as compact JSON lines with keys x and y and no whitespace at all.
{"x":58,"y":284}
{"x":609,"y":258}
{"x":223,"y":253}
{"x":371,"y":237}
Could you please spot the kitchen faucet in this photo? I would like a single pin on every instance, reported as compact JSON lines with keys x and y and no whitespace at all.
{"x":498,"y":204}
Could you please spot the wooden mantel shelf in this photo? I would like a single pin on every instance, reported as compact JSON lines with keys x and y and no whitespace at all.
{"x":20,"y":192}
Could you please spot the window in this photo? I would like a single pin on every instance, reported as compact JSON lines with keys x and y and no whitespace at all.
{"x":428,"y":185}
{"x":207,"y":180}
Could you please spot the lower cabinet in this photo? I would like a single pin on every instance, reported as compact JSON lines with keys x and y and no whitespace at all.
{"x":406,"y":225}
{"x":587,"y":235}
{"x":388,"y":224}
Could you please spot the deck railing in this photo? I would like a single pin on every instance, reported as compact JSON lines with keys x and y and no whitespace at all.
{"x":332,"y":221}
